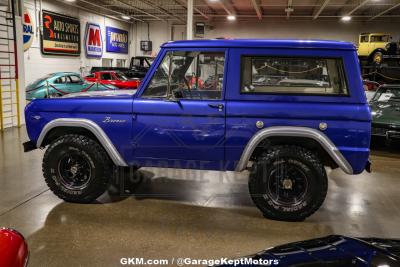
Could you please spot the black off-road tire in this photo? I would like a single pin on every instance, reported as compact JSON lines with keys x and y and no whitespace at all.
{"x":260,"y":183}
{"x":96,"y":159}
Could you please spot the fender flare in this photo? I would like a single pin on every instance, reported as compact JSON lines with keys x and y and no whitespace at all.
{"x":90,"y":126}
{"x":294,"y":131}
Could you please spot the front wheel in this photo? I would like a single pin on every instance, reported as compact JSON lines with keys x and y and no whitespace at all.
{"x":288,"y":183}
{"x":76,"y":168}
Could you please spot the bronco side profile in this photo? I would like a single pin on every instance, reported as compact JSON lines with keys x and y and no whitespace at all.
{"x":283,"y":109}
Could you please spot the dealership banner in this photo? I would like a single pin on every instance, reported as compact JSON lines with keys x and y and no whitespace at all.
{"x":116,"y":40}
{"x":93,"y":41}
{"x":61,"y":35}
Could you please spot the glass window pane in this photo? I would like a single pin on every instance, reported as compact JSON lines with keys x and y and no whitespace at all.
{"x":289,"y":75}
{"x":189,"y":75}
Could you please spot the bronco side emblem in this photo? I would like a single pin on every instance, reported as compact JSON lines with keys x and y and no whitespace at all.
{"x":110,"y":120}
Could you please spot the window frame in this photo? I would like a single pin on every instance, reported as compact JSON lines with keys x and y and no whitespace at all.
{"x":343,"y":70}
{"x":156,"y":63}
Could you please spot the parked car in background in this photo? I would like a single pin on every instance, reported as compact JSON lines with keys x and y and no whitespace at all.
{"x":13,"y":249}
{"x":370,"y":88}
{"x":374,"y":47}
{"x":385,"y":110}
{"x":116,"y":78}
{"x":138,"y":67}
{"x":61,"y":83}
{"x":334,"y":250}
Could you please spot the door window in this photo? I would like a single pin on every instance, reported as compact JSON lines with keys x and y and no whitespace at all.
{"x":188,"y":75}
{"x":74,"y":79}
{"x":106,"y":76}
{"x":60,"y":80}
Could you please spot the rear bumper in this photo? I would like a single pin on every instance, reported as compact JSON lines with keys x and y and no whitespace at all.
{"x":29,"y":146}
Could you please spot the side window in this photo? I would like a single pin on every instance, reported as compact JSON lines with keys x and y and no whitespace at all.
{"x":75,"y":79}
{"x":60,"y":80}
{"x":292,"y":75}
{"x":189,"y":75}
{"x":106,"y":76}
{"x":364,"y":39}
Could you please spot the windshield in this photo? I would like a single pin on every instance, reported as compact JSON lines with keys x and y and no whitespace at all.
{"x":387,"y":94}
{"x":121,"y":76}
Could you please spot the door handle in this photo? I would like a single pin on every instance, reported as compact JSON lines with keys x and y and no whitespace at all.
{"x":218,"y":106}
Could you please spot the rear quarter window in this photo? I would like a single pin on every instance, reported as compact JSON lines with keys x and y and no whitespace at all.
{"x":292,"y":75}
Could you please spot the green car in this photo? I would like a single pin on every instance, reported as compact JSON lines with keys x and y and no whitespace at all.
{"x":62,"y":83}
{"x":385,"y":110}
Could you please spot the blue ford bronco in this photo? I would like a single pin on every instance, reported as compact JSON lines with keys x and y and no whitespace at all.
{"x":282,"y":109}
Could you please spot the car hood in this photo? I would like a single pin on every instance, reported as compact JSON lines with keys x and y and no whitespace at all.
{"x":334,"y":250}
{"x":106,"y":93}
{"x":386,"y":112}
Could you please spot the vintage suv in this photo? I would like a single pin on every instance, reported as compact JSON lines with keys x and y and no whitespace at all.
{"x":284,"y":109}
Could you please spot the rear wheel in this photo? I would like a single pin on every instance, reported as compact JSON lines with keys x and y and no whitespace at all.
{"x":288,"y":183}
{"x":76,"y":168}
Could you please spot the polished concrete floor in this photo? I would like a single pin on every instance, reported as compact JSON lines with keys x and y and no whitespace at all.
{"x":181,"y":213}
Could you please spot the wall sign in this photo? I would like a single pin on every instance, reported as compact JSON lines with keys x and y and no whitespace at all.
{"x":27,"y":29}
{"x":116,"y":40}
{"x":146,"y":46}
{"x":93,"y":40}
{"x":61,"y":35}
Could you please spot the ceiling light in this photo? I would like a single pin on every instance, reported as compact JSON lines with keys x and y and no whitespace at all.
{"x":70,"y":1}
{"x":231,"y":17}
{"x":346,"y":18}
{"x":125,"y":17}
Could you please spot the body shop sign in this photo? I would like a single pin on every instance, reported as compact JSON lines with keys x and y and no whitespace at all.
{"x":117,"y":40}
{"x":61,"y":35}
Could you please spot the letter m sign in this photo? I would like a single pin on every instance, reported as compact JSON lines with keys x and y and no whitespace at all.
{"x":93,"y":41}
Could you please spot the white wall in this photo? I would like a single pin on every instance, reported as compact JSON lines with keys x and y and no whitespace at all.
{"x":38,"y":65}
{"x":331,"y":30}
{"x":160,"y":32}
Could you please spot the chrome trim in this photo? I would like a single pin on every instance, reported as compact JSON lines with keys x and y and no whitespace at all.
{"x":92,"y":127}
{"x":321,"y":138}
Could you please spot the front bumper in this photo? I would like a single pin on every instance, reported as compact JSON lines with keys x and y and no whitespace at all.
{"x":29,"y":146}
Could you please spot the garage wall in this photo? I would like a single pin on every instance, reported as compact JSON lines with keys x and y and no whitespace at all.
{"x":298,"y":29}
{"x":37,"y":65}
{"x":160,"y":32}
{"x":268,"y":29}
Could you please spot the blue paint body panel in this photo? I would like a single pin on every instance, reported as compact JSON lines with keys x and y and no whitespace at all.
{"x":190,"y":134}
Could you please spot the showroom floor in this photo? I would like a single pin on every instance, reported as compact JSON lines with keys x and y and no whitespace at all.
{"x":181,"y":213}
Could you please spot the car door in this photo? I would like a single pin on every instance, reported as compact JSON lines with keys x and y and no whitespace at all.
{"x":74,"y":84}
{"x":179,"y":115}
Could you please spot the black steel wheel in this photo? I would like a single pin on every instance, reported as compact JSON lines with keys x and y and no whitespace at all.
{"x":77,"y":169}
{"x":288,"y":183}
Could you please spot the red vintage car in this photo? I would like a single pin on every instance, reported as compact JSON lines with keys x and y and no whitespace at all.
{"x":13,"y":249}
{"x":118,"y":79}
